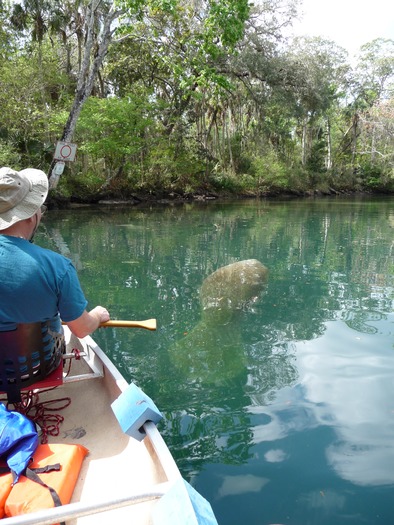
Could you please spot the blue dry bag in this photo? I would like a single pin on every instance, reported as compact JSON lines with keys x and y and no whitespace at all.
{"x":18,"y":440}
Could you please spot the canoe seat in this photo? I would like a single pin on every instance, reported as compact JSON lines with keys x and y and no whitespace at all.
{"x":30,"y":358}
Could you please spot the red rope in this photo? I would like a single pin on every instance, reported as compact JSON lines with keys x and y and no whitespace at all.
{"x":77,"y":357}
{"x":41,"y":412}
{"x":77,"y":353}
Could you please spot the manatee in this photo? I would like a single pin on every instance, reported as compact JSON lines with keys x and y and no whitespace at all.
{"x":226,"y":291}
{"x":212,"y":351}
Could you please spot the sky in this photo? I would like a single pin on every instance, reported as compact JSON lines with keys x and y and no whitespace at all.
{"x":349,"y":23}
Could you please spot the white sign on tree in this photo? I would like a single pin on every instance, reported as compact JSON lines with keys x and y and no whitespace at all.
{"x":65,"y":151}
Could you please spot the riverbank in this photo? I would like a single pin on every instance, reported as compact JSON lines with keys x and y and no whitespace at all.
{"x":140,"y":198}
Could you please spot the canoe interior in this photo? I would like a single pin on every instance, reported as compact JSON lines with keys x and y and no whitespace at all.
{"x":116,"y":465}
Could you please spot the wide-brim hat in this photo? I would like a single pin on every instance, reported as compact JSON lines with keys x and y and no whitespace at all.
{"x":21,"y":194}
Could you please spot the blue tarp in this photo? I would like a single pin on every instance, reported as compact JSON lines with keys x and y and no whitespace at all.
{"x":18,"y":440}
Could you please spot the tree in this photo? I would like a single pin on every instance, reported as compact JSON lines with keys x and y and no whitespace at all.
{"x":36,"y":17}
{"x":375,"y":69}
{"x":322,"y":73}
{"x":222,"y":27}
{"x":25,"y":116}
{"x":371,"y":84}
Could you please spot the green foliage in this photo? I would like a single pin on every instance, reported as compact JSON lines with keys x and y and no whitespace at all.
{"x":170,"y":169}
{"x":113,"y":128}
{"x":269,"y":172}
{"x":84,"y":186}
{"x":375,"y":69}
{"x":226,"y":21}
{"x":373,"y":176}
{"x":8,"y":155}
{"x":315,"y":163}
{"x":193,"y":97}
{"x":30,"y":88}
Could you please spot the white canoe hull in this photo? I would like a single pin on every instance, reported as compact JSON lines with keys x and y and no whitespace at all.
{"x":118,"y":469}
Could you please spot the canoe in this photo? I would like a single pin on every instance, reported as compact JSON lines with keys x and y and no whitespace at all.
{"x":129,"y":475}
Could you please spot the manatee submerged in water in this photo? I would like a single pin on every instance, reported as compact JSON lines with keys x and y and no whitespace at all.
{"x":212,"y":351}
{"x":225,"y":292}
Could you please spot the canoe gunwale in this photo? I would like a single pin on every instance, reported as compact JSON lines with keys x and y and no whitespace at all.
{"x":81,"y":509}
{"x":153,"y":437}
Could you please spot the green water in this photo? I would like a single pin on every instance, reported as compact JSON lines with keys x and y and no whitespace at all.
{"x":287,"y":415}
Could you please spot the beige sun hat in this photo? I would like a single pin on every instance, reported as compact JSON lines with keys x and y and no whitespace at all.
{"x":21,"y":194}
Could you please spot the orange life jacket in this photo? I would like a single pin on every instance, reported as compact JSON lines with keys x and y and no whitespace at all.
{"x":28,"y":496}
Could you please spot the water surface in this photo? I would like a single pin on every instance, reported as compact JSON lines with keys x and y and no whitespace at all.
{"x":285,"y":415}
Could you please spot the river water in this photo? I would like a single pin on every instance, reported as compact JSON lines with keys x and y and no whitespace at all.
{"x":285,"y":415}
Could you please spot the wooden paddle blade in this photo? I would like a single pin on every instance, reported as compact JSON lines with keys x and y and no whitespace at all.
{"x":149,"y":324}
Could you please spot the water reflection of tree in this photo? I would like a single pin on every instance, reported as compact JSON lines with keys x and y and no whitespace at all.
{"x":358,"y":320}
{"x":271,"y":366}
{"x":208,"y":425}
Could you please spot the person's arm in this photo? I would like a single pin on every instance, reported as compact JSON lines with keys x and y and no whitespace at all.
{"x":88,"y":322}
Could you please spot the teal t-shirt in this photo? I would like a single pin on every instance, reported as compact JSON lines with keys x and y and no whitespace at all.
{"x":37,"y":284}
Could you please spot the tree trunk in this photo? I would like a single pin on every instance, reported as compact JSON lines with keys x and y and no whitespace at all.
{"x":329,"y":145}
{"x":354,"y":137}
{"x":89,"y":71}
{"x":304,"y":141}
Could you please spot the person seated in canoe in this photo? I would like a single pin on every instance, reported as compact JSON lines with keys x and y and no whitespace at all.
{"x":37,"y":285}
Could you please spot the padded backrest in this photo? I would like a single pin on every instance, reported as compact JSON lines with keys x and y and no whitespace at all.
{"x":27,"y":355}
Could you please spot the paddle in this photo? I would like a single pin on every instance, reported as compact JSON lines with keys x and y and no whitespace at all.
{"x":149,"y":324}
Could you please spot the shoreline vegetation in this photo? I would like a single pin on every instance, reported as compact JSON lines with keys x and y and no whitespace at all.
{"x":173,"y":101}
{"x":174,"y":198}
